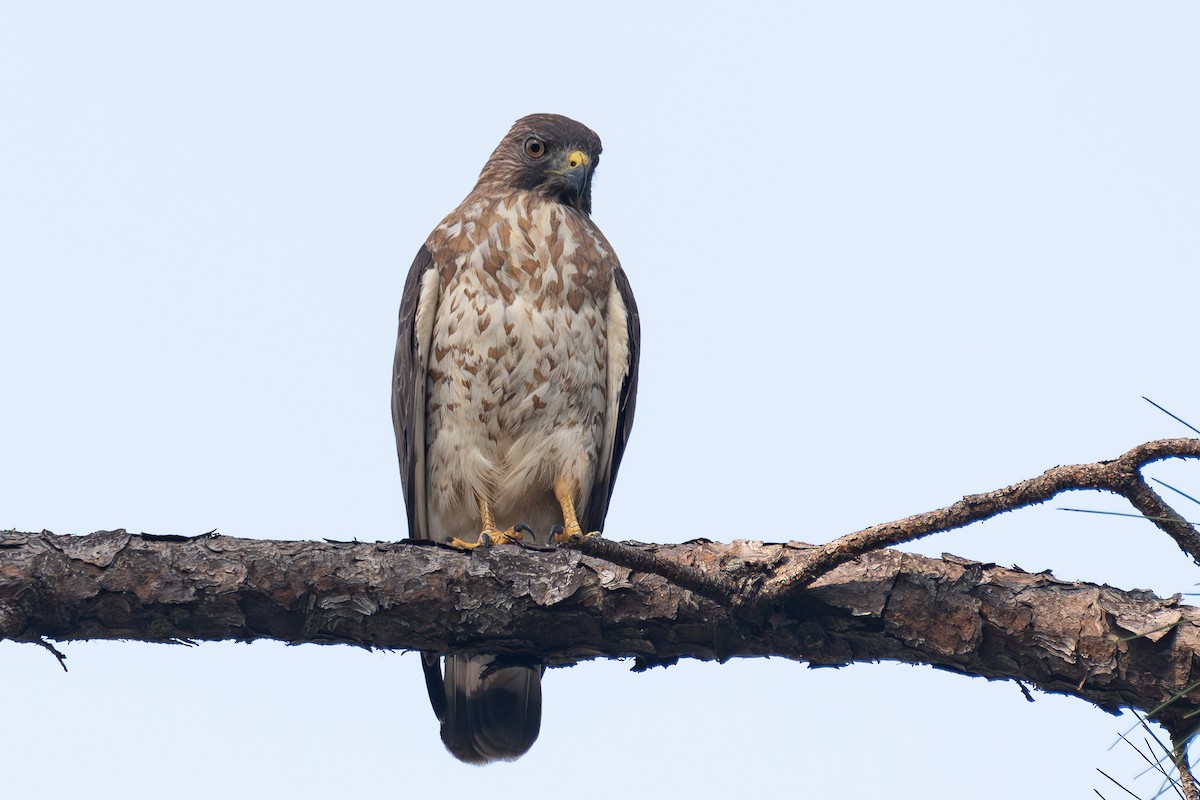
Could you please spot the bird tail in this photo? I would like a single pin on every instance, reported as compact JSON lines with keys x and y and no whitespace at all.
{"x":489,"y":711}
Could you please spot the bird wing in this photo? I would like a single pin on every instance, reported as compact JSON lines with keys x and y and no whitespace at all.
{"x":624,"y":350}
{"x":417,"y":310}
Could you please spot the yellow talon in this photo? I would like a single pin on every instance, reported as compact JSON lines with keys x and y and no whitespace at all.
{"x":490,"y":537}
{"x":571,"y":532}
{"x":565,"y":537}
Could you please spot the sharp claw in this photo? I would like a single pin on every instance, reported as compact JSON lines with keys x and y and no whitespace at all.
{"x":491,"y":538}
{"x":559,"y":535}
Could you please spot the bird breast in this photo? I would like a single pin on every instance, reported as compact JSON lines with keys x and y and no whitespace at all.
{"x":517,"y":375}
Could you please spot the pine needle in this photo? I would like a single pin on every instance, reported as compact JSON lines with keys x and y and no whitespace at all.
{"x":1118,"y":784}
{"x":1172,"y":416}
{"x":1121,"y":514}
{"x":1177,"y":491}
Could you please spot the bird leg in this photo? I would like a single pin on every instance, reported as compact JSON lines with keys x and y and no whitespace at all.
{"x":490,"y":535}
{"x":570,"y":531}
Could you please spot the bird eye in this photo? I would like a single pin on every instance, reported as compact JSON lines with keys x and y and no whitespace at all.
{"x":534,"y":147}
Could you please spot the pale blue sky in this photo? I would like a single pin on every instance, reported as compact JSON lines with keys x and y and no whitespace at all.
{"x":886,"y":254}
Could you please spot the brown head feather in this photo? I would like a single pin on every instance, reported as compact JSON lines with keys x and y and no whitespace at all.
{"x":512,"y":168}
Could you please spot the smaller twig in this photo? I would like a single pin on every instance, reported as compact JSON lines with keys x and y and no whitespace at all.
{"x":712,"y":587}
{"x":1179,"y":744}
{"x":62,"y":658}
{"x":1120,"y":476}
{"x":1154,"y":508}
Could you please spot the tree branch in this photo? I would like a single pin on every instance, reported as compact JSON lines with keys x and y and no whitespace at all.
{"x":847,"y":601}
{"x":1187,"y":781}
{"x":1121,"y":476}
{"x":757,"y":594}
{"x":1106,"y":646}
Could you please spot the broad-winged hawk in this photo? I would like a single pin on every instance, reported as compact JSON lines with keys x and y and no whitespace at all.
{"x":513,"y":392}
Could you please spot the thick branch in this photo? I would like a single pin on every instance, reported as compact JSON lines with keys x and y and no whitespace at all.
{"x":1109,"y":647}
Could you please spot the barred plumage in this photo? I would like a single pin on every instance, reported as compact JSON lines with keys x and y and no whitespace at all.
{"x":513,"y":390}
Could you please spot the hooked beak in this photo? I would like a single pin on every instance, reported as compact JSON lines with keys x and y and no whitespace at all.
{"x":575,"y":171}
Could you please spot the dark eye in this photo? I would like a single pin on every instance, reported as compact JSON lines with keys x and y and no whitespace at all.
{"x":534,"y":147}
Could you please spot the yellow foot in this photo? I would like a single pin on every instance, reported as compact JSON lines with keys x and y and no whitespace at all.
{"x":569,"y":535}
{"x":490,"y":537}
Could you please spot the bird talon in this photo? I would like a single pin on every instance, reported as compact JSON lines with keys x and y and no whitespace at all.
{"x":491,"y":538}
{"x":460,"y":544}
{"x":560,"y":535}
{"x":511,"y":536}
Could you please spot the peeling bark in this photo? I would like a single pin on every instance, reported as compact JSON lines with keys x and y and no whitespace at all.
{"x":1113,"y":648}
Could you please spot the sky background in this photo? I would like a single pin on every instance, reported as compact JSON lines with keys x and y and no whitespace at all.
{"x":885,"y":254}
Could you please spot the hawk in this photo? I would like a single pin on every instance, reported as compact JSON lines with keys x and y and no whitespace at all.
{"x":513,"y":393}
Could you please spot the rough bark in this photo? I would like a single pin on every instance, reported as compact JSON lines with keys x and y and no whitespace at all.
{"x":1110,"y":647}
{"x":844,"y":601}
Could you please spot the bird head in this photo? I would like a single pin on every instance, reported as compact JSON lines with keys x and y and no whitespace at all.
{"x":548,"y":154}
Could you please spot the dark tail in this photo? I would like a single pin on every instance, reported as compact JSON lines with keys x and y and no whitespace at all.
{"x":488,"y":712}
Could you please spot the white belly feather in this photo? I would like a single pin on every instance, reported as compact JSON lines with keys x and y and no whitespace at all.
{"x":517,"y":387}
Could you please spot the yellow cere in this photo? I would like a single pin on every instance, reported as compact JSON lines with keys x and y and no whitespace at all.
{"x":576,"y":158}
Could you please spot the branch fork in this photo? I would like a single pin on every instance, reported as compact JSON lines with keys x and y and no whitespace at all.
{"x":1121,"y":476}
